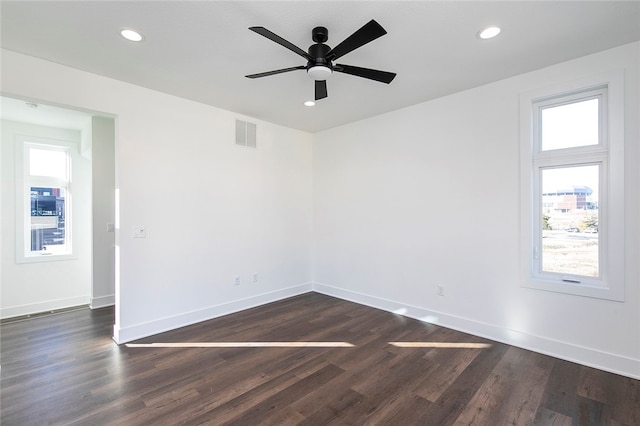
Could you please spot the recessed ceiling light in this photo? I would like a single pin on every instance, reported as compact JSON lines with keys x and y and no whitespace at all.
{"x":489,"y":32}
{"x":309,"y":103}
{"x":131,"y":35}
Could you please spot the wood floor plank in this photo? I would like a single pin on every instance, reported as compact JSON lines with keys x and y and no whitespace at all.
{"x":280,"y":400}
{"x":327,"y":402}
{"x":589,"y":412}
{"x":562,"y":388}
{"x":448,"y":407}
{"x":339,"y":407}
{"x":405,"y":408}
{"x":502,"y":396}
{"x":437,"y":380}
{"x":64,"y":369}
{"x":626,"y":408}
{"x":390,"y":397}
{"x":546,"y":417}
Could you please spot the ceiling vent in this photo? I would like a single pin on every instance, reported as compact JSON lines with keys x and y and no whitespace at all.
{"x":245,"y":134}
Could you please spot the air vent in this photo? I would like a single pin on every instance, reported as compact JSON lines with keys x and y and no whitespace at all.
{"x":245,"y":134}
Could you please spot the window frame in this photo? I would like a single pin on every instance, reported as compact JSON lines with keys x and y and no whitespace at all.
{"x":24,"y":182}
{"x":608,"y":154}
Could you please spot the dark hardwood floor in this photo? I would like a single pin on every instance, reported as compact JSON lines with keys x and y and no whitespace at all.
{"x":64,"y":369}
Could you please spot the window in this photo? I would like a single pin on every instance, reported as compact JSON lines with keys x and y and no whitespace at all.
{"x":43,"y":216}
{"x":573,"y":189}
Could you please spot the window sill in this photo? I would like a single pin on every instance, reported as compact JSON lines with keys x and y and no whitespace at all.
{"x":46,"y":258}
{"x":576,"y":289}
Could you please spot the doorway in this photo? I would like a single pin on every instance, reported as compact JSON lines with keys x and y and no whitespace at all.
{"x":87,"y":276}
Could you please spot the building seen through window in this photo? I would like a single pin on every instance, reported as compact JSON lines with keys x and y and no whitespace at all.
{"x":47,"y":218}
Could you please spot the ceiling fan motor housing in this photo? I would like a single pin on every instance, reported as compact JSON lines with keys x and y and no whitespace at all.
{"x":319,"y":67}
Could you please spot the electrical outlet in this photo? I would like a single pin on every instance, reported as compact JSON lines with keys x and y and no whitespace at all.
{"x":236,"y":280}
{"x":440,"y":290}
{"x":254,"y":277}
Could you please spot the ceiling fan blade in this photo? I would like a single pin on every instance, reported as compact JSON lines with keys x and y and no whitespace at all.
{"x":369,"y":32}
{"x":321,"y":89}
{"x":274,"y":37}
{"x":377,"y":75}
{"x":268,"y":73}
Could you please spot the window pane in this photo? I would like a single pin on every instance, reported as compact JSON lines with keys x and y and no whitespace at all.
{"x":48,"y":220}
{"x":572,"y":125}
{"x":570,"y":220}
{"x":45,"y":162}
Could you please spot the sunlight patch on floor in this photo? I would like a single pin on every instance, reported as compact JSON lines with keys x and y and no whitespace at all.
{"x":242,"y":345}
{"x":448,"y":345}
{"x":451,"y":345}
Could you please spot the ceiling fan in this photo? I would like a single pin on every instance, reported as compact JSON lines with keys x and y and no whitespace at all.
{"x":320,"y":57}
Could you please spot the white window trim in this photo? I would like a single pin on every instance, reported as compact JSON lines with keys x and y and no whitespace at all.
{"x":22,"y":234}
{"x":611,"y":220}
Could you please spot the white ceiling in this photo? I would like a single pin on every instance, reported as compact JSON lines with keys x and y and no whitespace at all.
{"x":201,"y":50}
{"x":44,"y":115}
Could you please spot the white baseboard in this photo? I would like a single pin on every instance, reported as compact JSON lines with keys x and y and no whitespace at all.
{"x":48,"y":305}
{"x":102,"y":301}
{"x":590,"y":357}
{"x":138,"y":331}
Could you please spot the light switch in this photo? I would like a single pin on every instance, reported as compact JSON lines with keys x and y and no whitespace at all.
{"x":139,"y":232}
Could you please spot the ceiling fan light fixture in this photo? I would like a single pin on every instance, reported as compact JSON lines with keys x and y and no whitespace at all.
{"x":319,"y":72}
{"x":489,"y":32}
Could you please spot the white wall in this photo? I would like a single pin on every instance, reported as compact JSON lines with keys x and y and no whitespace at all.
{"x":429,"y":195}
{"x":104,"y":210}
{"x":212,"y":210}
{"x":401,"y":202}
{"x":35,"y":287}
